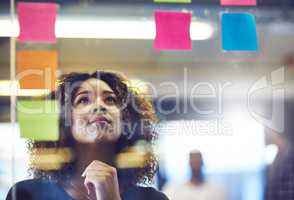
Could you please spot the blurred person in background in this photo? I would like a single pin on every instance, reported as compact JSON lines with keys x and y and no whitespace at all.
{"x":196,"y":188}
{"x":101,"y":116}
{"x":280,"y":174}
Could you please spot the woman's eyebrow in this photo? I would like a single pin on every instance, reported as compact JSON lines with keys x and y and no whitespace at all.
{"x":108,"y":92}
{"x":82,"y":92}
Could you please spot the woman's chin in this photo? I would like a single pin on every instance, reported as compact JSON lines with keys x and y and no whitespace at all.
{"x":106,"y":137}
{"x":83,"y":138}
{"x":96,"y":137}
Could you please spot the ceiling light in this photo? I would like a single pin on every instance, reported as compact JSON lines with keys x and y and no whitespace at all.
{"x":9,"y":88}
{"x":69,"y":27}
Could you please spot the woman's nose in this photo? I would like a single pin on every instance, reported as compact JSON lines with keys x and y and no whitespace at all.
{"x":99,"y":109}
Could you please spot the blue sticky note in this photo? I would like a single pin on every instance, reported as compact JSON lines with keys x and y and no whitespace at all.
{"x":239,"y":32}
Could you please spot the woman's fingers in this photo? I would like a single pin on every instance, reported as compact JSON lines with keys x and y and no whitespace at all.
{"x":98,"y":163}
{"x":101,"y":181}
{"x":98,"y":183}
{"x":99,"y":166}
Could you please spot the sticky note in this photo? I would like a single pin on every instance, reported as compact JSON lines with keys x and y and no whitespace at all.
{"x":238,"y":2}
{"x":238,"y":32}
{"x":172,"y":30}
{"x":38,"y":119}
{"x":172,"y":1}
{"x":37,"y":22}
{"x":36,"y":69}
{"x":50,"y":158}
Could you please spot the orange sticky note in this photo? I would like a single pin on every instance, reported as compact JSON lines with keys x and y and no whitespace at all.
{"x":36,"y":69}
{"x":37,"y":21}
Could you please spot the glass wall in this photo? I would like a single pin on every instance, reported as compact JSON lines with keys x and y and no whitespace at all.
{"x":235,"y":107}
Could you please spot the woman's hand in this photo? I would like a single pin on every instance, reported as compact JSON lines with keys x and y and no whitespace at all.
{"x":101,"y":181}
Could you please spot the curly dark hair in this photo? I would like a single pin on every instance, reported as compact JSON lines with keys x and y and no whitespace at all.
{"x":135,"y":108}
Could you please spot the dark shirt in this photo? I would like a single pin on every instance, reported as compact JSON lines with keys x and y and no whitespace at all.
{"x":38,"y":189}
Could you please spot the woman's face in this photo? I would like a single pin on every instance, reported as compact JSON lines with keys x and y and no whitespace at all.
{"x":95,"y":112}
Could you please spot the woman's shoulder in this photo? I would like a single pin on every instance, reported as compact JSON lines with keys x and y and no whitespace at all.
{"x":36,"y":189}
{"x":143,"y":193}
{"x":32,"y":189}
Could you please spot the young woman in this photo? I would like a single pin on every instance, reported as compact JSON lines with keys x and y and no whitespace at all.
{"x":101,"y":116}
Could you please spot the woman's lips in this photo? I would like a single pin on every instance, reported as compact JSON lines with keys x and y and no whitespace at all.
{"x":101,"y":120}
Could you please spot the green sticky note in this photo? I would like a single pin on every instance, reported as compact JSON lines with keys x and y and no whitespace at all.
{"x":38,"y":119}
{"x":172,"y":1}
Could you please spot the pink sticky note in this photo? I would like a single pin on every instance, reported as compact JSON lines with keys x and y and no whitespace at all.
{"x":37,"y":22}
{"x":238,"y":2}
{"x":172,"y":30}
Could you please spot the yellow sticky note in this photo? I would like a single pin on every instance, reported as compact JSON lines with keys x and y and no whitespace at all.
{"x":50,"y":158}
{"x":172,"y":1}
{"x":38,"y":119}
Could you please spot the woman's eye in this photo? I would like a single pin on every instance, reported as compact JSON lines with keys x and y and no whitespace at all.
{"x":83,"y":100}
{"x":110,"y":100}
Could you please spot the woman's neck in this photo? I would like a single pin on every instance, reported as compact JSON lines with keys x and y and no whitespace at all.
{"x":86,"y":153}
